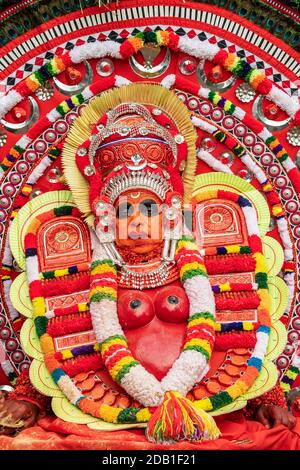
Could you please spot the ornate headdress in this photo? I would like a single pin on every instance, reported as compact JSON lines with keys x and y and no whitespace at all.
{"x":138,"y":136}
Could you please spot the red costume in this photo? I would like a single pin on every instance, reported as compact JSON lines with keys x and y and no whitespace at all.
{"x":150,"y":237}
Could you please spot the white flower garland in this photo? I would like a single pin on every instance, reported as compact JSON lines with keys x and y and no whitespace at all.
{"x":187,"y":370}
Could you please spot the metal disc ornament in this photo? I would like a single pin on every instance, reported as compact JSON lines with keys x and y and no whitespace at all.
{"x":245,"y":93}
{"x":293,"y":136}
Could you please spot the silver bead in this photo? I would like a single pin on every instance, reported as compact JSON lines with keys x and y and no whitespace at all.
{"x":229,"y":122}
{"x":143,"y":131}
{"x":15,"y":178}
{"x":156,"y":111}
{"x":82,"y":151}
{"x":266,"y":159}
{"x":11,"y":344}
{"x":170,"y":213}
{"x":4,"y":202}
{"x":280,"y":182}
{"x":240,"y":130}
{"x":22,"y":167}
{"x":291,"y":206}
{"x":288,"y":349}
{"x":274,"y":170}
{"x":297,"y":231}
{"x":61,"y":127}
{"x":205,"y":108}
{"x":297,"y":323}
{"x":105,"y":220}
{"x":249,"y":139}
{"x":9,"y":190}
{"x":217,"y":114}
{"x":258,"y":149}
{"x":40,"y":146}
{"x":179,"y":139}
{"x":18,"y":356}
{"x":50,"y":136}
{"x":193,"y":103}
{"x":295,"y":219}
{"x":282,"y":362}
{"x":293,"y":336}
{"x":100,"y":206}
{"x":5,"y":333}
{"x":176,"y":202}
{"x":287,"y":193}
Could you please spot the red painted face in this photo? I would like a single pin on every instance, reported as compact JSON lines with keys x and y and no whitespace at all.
{"x":138,"y":221}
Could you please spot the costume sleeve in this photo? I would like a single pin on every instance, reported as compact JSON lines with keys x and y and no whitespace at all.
{"x":25,"y":391}
{"x":273,"y":397}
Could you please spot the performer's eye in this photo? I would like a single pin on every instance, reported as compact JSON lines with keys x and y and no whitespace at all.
{"x":148,"y":208}
{"x":124,"y":210}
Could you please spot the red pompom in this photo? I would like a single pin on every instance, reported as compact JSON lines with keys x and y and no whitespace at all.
{"x":66,"y":59}
{"x":253,"y":123}
{"x":23,"y":89}
{"x":186,"y":85}
{"x":264,"y":87}
{"x":273,"y":198}
{"x":35,"y":289}
{"x":297,"y":118}
{"x":30,"y":240}
{"x":102,"y":85}
{"x":38,"y":128}
{"x":126,"y":49}
{"x":255,"y":243}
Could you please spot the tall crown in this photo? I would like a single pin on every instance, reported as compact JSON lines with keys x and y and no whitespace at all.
{"x":143,"y":138}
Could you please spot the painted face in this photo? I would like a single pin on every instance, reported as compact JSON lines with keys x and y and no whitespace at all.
{"x":138,"y":221}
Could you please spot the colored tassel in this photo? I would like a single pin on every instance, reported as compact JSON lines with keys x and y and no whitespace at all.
{"x":177,"y":419}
